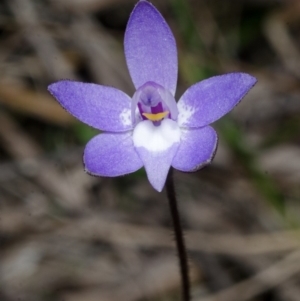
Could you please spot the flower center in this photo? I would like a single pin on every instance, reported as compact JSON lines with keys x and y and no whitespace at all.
{"x":155,"y":117}
{"x":156,"y":134}
{"x":154,"y":103}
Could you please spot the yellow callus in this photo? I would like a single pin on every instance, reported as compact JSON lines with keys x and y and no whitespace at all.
{"x":156,"y":117}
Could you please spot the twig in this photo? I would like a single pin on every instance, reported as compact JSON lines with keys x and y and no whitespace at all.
{"x":144,"y":236}
{"x":50,"y":56}
{"x":261,"y":282}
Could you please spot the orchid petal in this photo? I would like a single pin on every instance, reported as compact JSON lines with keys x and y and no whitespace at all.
{"x":104,"y":108}
{"x":210,"y":99}
{"x":111,"y":155}
{"x":157,"y":146}
{"x":150,"y":48}
{"x":197,"y":148}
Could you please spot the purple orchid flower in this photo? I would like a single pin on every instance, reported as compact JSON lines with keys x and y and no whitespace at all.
{"x":151,"y":129}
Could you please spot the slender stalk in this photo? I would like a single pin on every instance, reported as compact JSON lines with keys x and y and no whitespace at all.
{"x":178,"y":237}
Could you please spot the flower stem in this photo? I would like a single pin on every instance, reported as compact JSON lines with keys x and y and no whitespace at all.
{"x":182,"y":254}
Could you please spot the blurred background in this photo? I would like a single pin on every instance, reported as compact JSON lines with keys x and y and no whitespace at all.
{"x":68,"y":236}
